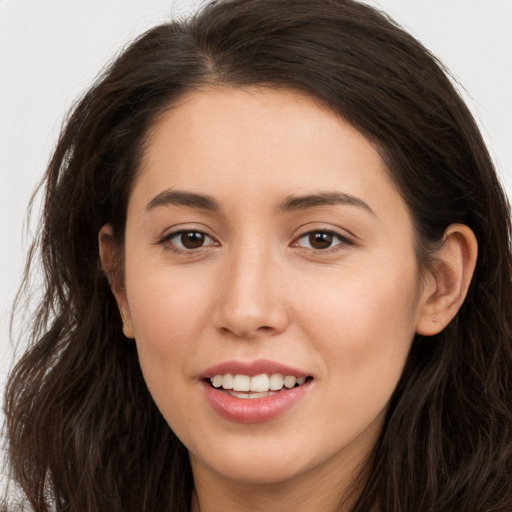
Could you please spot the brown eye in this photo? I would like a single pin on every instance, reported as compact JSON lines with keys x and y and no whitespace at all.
{"x":187,"y":240}
{"x":192,"y":239}
{"x":321,"y":240}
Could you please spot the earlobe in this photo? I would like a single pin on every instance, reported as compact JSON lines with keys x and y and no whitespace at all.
{"x":110,"y":264}
{"x":448,"y":280}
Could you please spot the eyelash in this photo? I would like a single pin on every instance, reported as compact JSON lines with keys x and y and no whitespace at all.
{"x":166,"y":241}
{"x":342,"y":243}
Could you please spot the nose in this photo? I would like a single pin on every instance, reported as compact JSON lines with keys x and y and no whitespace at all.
{"x":251,"y":301}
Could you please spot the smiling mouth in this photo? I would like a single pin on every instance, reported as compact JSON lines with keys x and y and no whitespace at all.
{"x":257,"y":386}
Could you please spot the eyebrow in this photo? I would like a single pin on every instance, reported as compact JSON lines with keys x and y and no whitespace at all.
{"x":181,"y":198}
{"x":290,"y":204}
{"x":294,"y":203}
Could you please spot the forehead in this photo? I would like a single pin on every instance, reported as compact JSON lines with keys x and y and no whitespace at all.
{"x":223,"y":141}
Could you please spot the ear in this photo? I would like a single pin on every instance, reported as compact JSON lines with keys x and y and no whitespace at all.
{"x":448,"y":281}
{"x":110,"y":263}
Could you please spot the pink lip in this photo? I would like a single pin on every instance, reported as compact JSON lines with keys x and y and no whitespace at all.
{"x":251,"y":369}
{"x":252,"y":410}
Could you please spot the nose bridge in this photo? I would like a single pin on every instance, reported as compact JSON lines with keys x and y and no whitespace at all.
{"x":249,"y":300}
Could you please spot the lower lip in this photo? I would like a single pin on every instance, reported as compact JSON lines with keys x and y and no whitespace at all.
{"x":253,"y":410}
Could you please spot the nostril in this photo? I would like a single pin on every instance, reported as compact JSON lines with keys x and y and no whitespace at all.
{"x":248,"y":333}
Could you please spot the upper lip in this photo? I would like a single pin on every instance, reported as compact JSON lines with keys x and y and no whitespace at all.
{"x":251,"y":368}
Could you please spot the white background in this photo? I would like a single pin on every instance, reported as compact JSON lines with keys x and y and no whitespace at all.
{"x":50,"y":50}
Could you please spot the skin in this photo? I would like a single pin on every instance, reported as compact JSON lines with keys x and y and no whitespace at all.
{"x":345,"y":314}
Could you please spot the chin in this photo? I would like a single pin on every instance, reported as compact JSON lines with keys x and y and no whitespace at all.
{"x":258,"y":466}
{"x":269,"y":474}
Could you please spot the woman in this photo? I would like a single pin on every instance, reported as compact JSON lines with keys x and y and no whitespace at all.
{"x":278,"y":278}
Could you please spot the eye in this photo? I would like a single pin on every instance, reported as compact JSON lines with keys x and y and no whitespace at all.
{"x":321,"y":240}
{"x":187,"y":240}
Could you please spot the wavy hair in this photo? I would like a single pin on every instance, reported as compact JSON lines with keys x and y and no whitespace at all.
{"x":83,"y":432}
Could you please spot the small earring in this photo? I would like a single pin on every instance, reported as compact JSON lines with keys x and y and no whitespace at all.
{"x":434,"y":319}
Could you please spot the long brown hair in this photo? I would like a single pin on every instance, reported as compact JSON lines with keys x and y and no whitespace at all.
{"x":83,"y":432}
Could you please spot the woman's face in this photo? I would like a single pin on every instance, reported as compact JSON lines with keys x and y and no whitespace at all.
{"x":265,"y":240}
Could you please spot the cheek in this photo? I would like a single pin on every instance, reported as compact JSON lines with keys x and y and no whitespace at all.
{"x":169,"y":314}
{"x":168,"y":311}
{"x":363,"y":339}
{"x":363,"y":326}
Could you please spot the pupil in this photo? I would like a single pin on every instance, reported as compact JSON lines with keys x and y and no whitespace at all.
{"x":320,"y":240}
{"x":192,"y":239}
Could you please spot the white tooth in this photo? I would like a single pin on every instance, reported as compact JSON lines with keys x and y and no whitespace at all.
{"x":260,"y":383}
{"x":241,"y":383}
{"x":249,"y":395}
{"x":216,"y":381}
{"x":227,"y":381}
{"x":276,"y":382}
{"x":244,"y":396}
{"x":290,"y":381}
{"x":301,"y":380}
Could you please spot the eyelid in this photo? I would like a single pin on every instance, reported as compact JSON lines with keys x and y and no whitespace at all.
{"x":165,"y":240}
{"x":344,"y":240}
{"x":183,"y":227}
